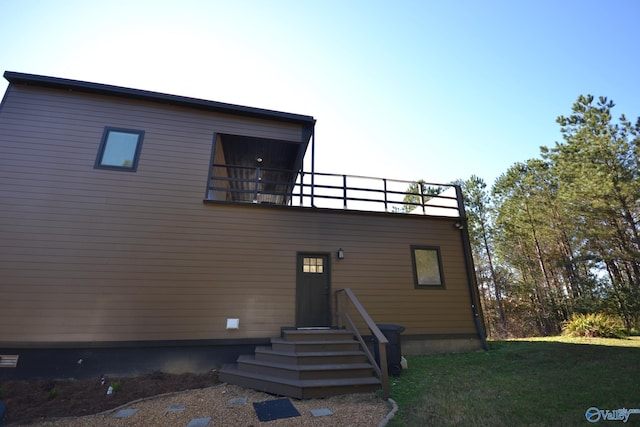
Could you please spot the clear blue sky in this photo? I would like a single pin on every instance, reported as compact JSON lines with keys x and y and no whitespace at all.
{"x":434,"y":90}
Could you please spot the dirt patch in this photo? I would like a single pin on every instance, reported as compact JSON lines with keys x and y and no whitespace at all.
{"x":35,"y":400}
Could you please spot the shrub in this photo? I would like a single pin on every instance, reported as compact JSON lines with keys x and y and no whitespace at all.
{"x":52,"y":394}
{"x":117,"y":386}
{"x":594,"y":325}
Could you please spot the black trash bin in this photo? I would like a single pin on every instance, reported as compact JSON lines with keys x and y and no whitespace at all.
{"x":394,"y":349}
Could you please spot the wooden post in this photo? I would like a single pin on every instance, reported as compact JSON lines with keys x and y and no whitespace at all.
{"x":380,"y":338}
{"x":384,"y":370}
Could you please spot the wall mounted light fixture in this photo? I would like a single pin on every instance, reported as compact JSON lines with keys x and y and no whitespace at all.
{"x":340,"y":253}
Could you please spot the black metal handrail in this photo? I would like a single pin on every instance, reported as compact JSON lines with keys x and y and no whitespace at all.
{"x":336,"y":191}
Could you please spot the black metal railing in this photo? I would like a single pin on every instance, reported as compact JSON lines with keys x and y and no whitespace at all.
{"x":325,"y":190}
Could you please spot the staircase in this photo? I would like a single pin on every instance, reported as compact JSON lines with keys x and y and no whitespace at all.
{"x":305,"y":364}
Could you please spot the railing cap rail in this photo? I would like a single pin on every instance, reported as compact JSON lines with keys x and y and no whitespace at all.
{"x":368,"y":320}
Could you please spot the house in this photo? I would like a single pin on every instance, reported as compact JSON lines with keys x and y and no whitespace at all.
{"x":143,"y":231}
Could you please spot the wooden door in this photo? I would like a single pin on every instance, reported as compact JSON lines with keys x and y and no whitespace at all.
{"x":313,"y":291}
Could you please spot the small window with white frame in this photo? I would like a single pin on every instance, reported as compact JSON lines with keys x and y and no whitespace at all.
{"x":119,"y":149}
{"x":427,"y":267}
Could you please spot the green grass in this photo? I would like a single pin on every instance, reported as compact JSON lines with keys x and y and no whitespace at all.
{"x":117,"y":386}
{"x":533,"y":382}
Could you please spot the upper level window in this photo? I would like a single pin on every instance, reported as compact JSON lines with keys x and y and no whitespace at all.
{"x":119,"y":149}
{"x":427,"y":267}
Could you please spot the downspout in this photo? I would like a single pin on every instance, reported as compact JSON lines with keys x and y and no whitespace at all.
{"x":462,"y":225}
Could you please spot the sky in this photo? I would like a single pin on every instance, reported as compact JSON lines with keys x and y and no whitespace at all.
{"x":432,"y":90}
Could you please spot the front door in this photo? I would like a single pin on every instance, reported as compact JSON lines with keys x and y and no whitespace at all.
{"x":313,"y":291}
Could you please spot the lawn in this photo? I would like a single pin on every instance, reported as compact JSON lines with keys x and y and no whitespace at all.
{"x":533,"y":382}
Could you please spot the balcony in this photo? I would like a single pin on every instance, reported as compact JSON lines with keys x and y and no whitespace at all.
{"x":262,"y":185}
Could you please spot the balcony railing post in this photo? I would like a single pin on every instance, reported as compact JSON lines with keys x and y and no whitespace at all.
{"x":301,"y":188}
{"x":384,"y":182}
{"x":460,"y":202}
{"x":256,"y":185}
{"x":344,"y":191}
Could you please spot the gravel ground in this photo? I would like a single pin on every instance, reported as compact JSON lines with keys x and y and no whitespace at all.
{"x":215,"y":402}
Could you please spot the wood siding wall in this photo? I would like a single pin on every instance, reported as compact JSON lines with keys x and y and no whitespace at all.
{"x":90,"y":255}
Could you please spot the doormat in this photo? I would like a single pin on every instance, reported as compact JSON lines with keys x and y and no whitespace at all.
{"x":275,"y":409}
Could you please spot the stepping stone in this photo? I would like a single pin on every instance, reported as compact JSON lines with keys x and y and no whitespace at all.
{"x":175,"y":408}
{"x":238,"y":401}
{"x":125,"y":413}
{"x":199,"y":422}
{"x":322,"y":412}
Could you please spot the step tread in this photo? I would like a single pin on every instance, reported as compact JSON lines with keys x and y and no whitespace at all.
{"x":269,"y":350}
{"x":342,"y":332}
{"x":308,"y":334}
{"x":332,"y":382}
{"x":250,"y":359}
{"x":309,"y":342}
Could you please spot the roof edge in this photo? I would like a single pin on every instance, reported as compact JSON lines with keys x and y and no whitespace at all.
{"x":139,"y":94}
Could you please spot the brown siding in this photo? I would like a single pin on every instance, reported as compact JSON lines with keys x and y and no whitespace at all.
{"x":99,"y":255}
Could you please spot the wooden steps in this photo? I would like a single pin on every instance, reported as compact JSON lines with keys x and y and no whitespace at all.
{"x":305,"y":364}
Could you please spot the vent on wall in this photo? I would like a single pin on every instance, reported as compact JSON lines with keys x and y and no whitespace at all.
{"x":8,"y":360}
